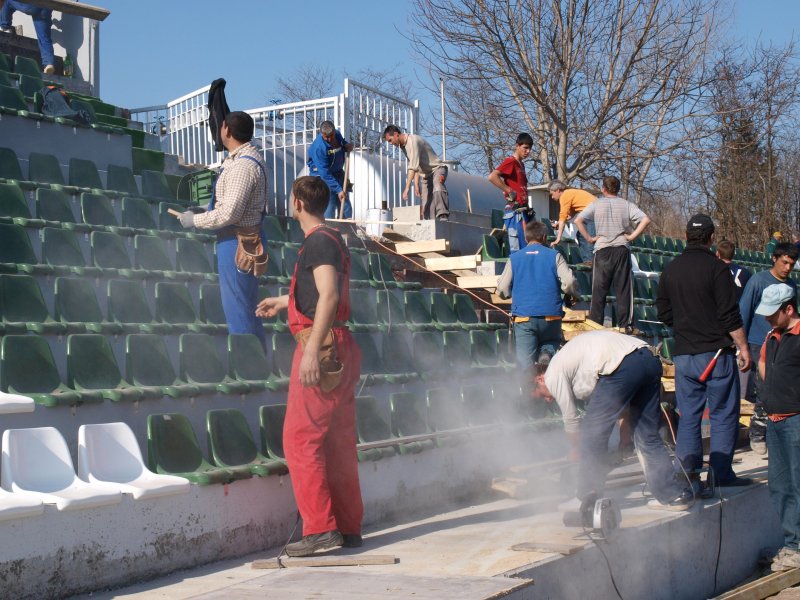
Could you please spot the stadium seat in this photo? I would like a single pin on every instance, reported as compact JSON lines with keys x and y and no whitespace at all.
{"x":150,"y":254}
{"x":274,"y":272}
{"x":109,"y":253}
{"x":16,"y":252}
{"x":200,"y":365}
{"x":13,"y":404}
{"x":166,"y":221}
{"x":109,"y":453}
{"x":372,"y":367}
{"x":211,"y":305}
{"x":172,"y":449}
{"x":428,"y":353}
{"x":6,"y":79}
{"x":9,"y":165}
{"x":121,"y":179}
{"x":149,"y":161}
{"x":359,"y":274}
{"x":479,"y":405}
{"x":37,"y":463}
{"x":137,"y":214}
{"x":409,"y":416}
{"x":55,"y":208}
{"x":272,"y":230}
{"x":77,"y":308}
{"x":273,"y":324}
{"x":27,"y":367}
{"x":467,"y":316}
{"x":371,"y":426}
{"x":667,"y":346}
{"x":391,"y":311}
{"x":5,"y":62}
{"x":382,"y":276}
{"x":26,"y":66}
{"x":96,"y":209}
{"x":363,"y":312}
{"x":12,"y":102}
{"x":83,"y":174}
{"x":45,"y":169}
{"x":496,"y":218}
{"x":446,"y":412}
{"x":14,"y":207}
{"x":128,"y":306}
{"x":93,"y":372}
{"x":154,"y":185}
{"x":22,"y":307}
{"x":289,"y":260}
{"x":192,"y":258}
{"x":506,"y":348}
{"x":19,"y":505}
{"x":247,"y":362}
{"x":270,"y":419}
{"x":62,"y":253}
{"x":443,"y":312}
{"x":147,"y":365}
{"x":283,"y":346}
{"x":174,"y":306}
{"x":491,"y":250}
{"x":457,"y":352}
{"x":231,"y":445}
{"x":418,"y":313}
{"x":643,"y":292}
{"x":401,"y":364}
{"x":295,"y":233}
{"x":484,"y":348}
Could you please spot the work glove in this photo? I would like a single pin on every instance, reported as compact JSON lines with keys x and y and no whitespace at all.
{"x":187,"y":219}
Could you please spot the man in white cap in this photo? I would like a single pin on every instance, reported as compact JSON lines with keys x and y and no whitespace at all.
{"x":779,"y":367}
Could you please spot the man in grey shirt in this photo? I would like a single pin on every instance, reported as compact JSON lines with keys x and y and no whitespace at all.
{"x":425,"y":170}
{"x":617,"y":223}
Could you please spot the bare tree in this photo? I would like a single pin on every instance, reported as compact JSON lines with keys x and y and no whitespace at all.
{"x":599,"y":83}
{"x":307,"y":82}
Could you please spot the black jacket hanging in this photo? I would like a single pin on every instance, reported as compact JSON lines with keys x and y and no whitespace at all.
{"x":217,"y":109}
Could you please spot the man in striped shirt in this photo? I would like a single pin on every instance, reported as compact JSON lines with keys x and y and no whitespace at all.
{"x":238,"y":202}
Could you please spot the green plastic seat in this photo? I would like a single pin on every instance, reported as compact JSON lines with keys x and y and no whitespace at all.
{"x":191,"y":257}
{"x":200,"y":365}
{"x":401,"y":362}
{"x":457,"y":352}
{"x":211,"y":310}
{"x":484,"y":348}
{"x":467,"y":316}
{"x":83,"y":174}
{"x":14,"y":207}
{"x":418,"y":313}
{"x":147,"y":365}
{"x":643,"y":291}
{"x":77,"y":308}
{"x":274,"y":272}
{"x":442,"y":311}
{"x":391,"y":311}
{"x":295,"y":232}
{"x":372,"y":426}
{"x":145,"y":160}
{"x":363,"y":312}
{"x":409,"y":416}
{"x":166,"y":221}
{"x":45,"y":169}
{"x":428,"y":353}
{"x":150,"y":254}
{"x":92,"y":370}
{"x":273,"y":231}
{"x":174,"y":306}
{"x":584,"y":280}
{"x":359,"y":274}
{"x":9,"y":165}
{"x":12,"y":102}
{"x":270,"y":419}
{"x":667,"y":348}
{"x":5,"y":79}
{"x":172,"y":449}
{"x":277,"y":323}
{"x":5,"y":62}
{"x":27,"y":66}
{"x":110,"y":253}
{"x":154,"y":185}
{"x":231,"y":445}
{"x":96,"y":209}
{"x":248,"y":362}
{"x":289,"y":260}
{"x":372,"y":368}
{"x":22,"y":307}
{"x":478,"y":403}
{"x":128,"y":306}
{"x":137,"y":214}
{"x":491,"y":250}
{"x":643,"y":259}
{"x":61,"y":250}
{"x":283,"y":345}
{"x":27,"y":367}
{"x":121,"y":179}
{"x":506,"y":348}
{"x":382,"y":276}
{"x":446,"y":412}
{"x":55,"y":208}
{"x":16,"y":252}
{"x":496,"y":218}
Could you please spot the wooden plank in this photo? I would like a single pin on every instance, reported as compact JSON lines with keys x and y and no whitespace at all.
{"x":478,"y":281}
{"x":668,"y":385}
{"x":448,"y":263}
{"x":496,"y":299}
{"x":174,"y":212}
{"x":574,"y":316}
{"x":423,"y":246}
{"x":549,"y":547}
{"x":764,"y":587}
{"x":74,"y":8}
{"x":355,"y":560}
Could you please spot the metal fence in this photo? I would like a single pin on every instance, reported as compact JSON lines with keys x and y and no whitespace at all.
{"x":285,"y":131}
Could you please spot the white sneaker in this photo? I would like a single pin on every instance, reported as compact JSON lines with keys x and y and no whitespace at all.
{"x":49,"y":69}
{"x":7,"y":29}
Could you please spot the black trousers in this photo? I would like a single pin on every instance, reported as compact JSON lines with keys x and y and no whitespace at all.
{"x":612,"y":268}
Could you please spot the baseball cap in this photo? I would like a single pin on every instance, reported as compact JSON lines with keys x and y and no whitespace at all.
{"x":700,"y":222}
{"x":773,"y":297}
{"x":777,"y":234}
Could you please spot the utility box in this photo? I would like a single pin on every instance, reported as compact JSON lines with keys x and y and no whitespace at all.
{"x":201,"y":186}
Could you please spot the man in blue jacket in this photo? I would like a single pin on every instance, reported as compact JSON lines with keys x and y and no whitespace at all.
{"x":326,"y":161}
{"x":537,"y":275}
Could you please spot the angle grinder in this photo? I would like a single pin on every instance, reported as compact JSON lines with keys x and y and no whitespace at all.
{"x":600,"y":516}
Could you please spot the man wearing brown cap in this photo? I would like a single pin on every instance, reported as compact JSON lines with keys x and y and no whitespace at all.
{"x":697,"y":298}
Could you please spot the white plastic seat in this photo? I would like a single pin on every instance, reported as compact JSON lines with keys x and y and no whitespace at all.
{"x":108,"y":453}
{"x":19,"y":505}
{"x":14,"y":403}
{"x":37,"y":462}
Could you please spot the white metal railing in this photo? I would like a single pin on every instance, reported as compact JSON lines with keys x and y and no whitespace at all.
{"x":285,"y":131}
{"x":154,"y":118}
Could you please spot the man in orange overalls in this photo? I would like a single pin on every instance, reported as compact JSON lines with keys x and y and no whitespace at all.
{"x":319,"y":433}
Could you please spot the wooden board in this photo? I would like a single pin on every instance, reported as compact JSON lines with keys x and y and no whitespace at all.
{"x":174,"y":212}
{"x":550,"y":547}
{"x":496,"y":299}
{"x":478,"y":281}
{"x":74,"y":8}
{"x":668,"y":385}
{"x":764,"y":587}
{"x":354,"y":560}
{"x":423,"y":246}
{"x":448,"y":263}
{"x":574,"y":316}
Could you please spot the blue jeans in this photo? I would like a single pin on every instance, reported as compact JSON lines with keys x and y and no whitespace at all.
{"x":636,"y":383}
{"x":42,"y":22}
{"x":783,"y":445}
{"x":515,"y":226}
{"x":332,"y":211}
{"x":721,"y":390}
{"x":532,"y":337}
{"x":239,"y":293}
{"x":587,"y":249}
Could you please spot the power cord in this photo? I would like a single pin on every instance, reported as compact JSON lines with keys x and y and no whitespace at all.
{"x":288,"y":541}
{"x":605,"y":558}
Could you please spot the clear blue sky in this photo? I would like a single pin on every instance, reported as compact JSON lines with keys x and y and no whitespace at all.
{"x":153,"y":51}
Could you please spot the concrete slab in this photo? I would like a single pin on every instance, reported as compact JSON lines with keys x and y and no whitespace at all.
{"x":468,"y":551}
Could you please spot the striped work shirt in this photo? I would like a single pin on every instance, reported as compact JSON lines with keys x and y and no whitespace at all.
{"x":613,"y":217}
{"x":241,"y":192}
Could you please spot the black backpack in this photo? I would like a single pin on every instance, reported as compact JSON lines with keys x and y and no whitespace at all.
{"x":55,"y":103}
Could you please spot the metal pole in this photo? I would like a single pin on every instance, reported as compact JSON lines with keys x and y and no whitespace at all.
{"x":444,"y":144}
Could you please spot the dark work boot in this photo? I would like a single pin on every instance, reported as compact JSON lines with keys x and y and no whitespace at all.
{"x":352,"y":540}
{"x":314,"y":543}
